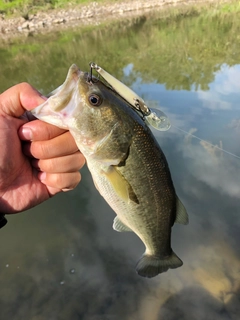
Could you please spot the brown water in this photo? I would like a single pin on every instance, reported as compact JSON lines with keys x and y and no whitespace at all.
{"x":62,"y":259}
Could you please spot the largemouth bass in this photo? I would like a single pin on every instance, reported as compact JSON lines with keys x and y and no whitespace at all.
{"x":127,"y":165}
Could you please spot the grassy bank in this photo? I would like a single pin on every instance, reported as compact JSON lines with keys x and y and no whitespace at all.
{"x":22,"y":7}
{"x":17,"y":7}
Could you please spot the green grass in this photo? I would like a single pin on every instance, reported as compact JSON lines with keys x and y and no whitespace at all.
{"x":231,"y":7}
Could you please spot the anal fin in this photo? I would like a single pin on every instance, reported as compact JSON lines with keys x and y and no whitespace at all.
{"x":181,"y":213}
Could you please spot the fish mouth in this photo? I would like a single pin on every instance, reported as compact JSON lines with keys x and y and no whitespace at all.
{"x":46,"y":114}
{"x":59,"y":104}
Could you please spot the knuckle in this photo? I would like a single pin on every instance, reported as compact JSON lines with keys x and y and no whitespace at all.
{"x":39,"y":150}
{"x":44,"y":150}
{"x":63,"y":181}
{"x":78,"y":179}
{"x":47,"y":132}
{"x":75,"y":178}
{"x":79,"y":160}
{"x":25,"y":86}
{"x":58,"y":180}
{"x":47,"y":165}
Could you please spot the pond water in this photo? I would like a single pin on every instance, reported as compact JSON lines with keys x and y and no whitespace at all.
{"x":62,"y":259}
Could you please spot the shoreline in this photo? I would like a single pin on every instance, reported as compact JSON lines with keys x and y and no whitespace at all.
{"x":92,"y":14}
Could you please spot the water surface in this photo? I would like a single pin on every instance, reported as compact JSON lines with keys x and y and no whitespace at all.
{"x":62,"y":259}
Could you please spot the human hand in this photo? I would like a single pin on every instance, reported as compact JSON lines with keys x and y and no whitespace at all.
{"x":37,"y":160}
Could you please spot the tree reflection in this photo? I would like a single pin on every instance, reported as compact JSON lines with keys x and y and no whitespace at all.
{"x":182,"y":52}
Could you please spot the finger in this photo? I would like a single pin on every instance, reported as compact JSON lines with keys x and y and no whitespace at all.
{"x":38,"y":130}
{"x":27,"y":116}
{"x":62,"y":145}
{"x":60,"y":181}
{"x":19,"y":98}
{"x":70,"y":163}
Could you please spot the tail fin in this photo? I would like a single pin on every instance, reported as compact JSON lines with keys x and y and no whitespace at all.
{"x":150,"y":266}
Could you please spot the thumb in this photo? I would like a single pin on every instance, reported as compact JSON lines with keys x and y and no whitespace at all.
{"x":19,"y":98}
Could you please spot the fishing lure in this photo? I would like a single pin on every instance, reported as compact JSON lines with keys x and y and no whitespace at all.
{"x":154,"y":117}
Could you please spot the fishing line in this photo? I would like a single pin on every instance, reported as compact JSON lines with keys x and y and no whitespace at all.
{"x":210,"y":144}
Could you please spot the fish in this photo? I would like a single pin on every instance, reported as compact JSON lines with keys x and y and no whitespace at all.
{"x":127,"y":165}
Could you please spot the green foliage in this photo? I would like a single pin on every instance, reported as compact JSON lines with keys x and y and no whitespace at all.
{"x":231,"y":7}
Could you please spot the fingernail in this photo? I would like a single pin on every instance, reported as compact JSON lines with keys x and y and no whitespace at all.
{"x":42,"y":176}
{"x":27,"y":133}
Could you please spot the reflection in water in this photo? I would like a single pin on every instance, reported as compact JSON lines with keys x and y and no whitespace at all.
{"x":62,"y":260}
{"x":213,"y":150}
{"x":214,"y":289}
{"x":44,"y":285}
{"x":200,"y":305}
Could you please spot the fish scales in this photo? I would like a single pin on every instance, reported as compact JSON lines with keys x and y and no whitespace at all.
{"x":152,"y":185}
{"x":128,"y":166}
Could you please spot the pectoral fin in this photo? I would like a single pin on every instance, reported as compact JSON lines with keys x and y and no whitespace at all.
{"x":121,"y":185}
{"x":181,"y":213}
{"x":119,"y":226}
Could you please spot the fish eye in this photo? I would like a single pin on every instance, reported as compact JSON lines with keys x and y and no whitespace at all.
{"x":95,"y":100}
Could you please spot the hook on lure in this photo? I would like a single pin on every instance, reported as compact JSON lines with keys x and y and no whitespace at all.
{"x":154,"y":117}
{"x":90,"y":78}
